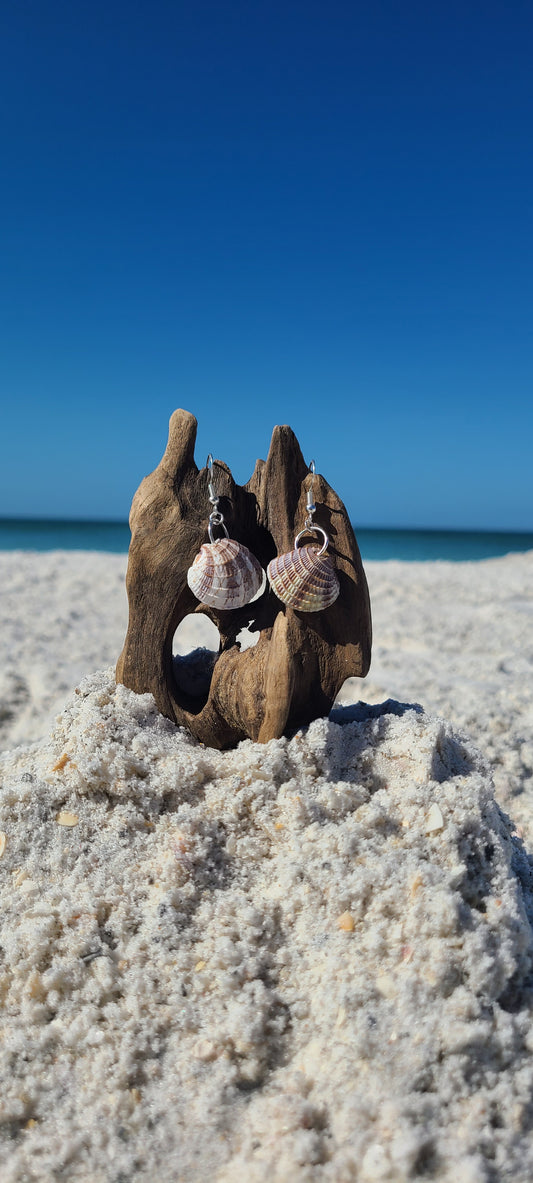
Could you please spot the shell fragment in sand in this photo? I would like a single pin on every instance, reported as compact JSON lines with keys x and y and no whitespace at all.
{"x":346,"y":922}
{"x":67,"y":819}
{"x":3,"y":840}
{"x":434,"y":820}
{"x":64,"y":759}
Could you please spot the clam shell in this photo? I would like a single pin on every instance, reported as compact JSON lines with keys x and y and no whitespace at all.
{"x":225,"y":574}
{"x":304,"y":580}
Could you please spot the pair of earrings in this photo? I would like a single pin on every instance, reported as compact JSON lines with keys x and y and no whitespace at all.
{"x":226,"y":575}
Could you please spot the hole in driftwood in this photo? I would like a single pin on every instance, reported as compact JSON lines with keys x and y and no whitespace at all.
{"x":196,"y":631}
{"x":247,"y":638}
{"x":195,"y":649}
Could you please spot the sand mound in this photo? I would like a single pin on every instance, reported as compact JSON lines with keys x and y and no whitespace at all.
{"x":457,"y":637}
{"x":305,"y":961}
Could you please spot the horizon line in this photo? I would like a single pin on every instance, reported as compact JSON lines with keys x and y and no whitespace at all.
{"x":121,"y":522}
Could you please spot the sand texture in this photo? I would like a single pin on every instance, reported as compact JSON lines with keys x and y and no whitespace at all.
{"x":455,"y":637}
{"x":305,"y":961}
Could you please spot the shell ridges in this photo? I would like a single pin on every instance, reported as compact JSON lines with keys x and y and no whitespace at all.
{"x":304,"y":580}
{"x":225,"y":574}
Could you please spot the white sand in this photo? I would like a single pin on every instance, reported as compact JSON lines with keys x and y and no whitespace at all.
{"x":180,"y":1002}
{"x":455,"y":637}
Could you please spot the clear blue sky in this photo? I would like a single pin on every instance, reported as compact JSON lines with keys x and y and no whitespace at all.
{"x":269,"y":212}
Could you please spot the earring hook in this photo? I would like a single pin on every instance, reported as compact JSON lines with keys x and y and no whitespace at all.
{"x":216,"y":518}
{"x":209,"y":465}
{"x":310,"y":502}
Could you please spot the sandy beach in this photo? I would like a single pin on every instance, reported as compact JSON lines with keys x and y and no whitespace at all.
{"x":305,"y":961}
{"x":455,"y":637}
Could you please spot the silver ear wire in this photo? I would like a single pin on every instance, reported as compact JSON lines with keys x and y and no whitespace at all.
{"x":310,"y":502}
{"x":309,"y":526}
{"x":225,"y":574}
{"x":216,"y":518}
{"x":305,"y":577}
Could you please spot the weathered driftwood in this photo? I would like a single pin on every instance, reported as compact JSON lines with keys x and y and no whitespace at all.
{"x":294,"y":672}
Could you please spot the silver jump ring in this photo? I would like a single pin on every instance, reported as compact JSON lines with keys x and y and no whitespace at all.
{"x":218,"y":522}
{"x":313,"y":530}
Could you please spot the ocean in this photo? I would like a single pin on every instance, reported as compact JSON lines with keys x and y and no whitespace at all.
{"x":410,"y":545}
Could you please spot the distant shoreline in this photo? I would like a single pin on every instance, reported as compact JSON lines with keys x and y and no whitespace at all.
{"x":379,"y":543}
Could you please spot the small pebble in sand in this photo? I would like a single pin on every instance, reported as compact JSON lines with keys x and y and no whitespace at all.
{"x":67,"y":819}
{"x":346,"y":922}
{"x":386,"y":986}
{"x":3,"y":840}
{"x":434,"y":820}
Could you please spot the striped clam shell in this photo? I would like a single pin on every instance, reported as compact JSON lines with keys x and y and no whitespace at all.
{"x":304,"y":579}
{"x":225,"y":574}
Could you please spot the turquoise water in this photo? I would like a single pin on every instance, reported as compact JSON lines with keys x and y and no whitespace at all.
{"x":19,"y":534}
{"x":425,"y":545}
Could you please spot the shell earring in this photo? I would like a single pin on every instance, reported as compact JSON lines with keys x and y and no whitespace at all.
{"x":224,"y":574}
{"x":305,"y":577}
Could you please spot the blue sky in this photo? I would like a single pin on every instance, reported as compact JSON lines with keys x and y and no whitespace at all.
{"x":305,"y":213}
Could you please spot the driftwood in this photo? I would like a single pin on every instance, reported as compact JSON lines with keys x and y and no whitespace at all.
{"x":294,"y":672}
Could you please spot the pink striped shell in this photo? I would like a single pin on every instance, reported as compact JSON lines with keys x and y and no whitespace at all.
{"x":304,"y":579}
{"x":225,"y":574}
